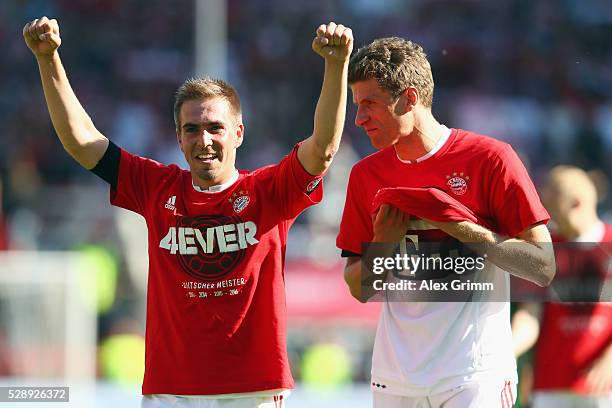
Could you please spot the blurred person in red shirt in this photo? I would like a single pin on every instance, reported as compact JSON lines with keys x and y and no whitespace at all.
{"x":573,"y":355}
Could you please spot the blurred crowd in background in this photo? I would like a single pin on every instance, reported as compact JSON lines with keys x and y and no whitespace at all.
{"x":535,"y":74}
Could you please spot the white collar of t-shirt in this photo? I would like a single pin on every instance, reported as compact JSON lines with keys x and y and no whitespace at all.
{"x":436,"y":148}
{"x":218,"y":187}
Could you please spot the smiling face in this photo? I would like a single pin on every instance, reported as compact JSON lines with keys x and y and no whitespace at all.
{"x":209,"y":133}
{"x":378,"y":113}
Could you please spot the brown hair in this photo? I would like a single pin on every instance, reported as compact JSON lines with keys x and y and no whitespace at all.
{"x":396,"y":64}
{"x":204,"y":88}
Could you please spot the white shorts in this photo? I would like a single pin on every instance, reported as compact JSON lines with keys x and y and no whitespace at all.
{"x":477,"y":395}
{"x":563,"y":399}
{"x":175,"y":401}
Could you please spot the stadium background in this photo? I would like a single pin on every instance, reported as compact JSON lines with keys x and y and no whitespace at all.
{"x":536,"y":74}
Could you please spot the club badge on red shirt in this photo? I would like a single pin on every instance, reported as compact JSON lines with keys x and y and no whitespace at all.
{"x":458,"y":183}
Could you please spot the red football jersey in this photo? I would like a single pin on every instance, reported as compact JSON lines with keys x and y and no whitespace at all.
{"x":482,"y":173}
{"x":572,"y":336}
{"x":216,"y":317}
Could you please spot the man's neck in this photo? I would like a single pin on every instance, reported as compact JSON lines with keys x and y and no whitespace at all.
{"x":577,"y":230}
{"x":425,"y":135}
{"x":214,"y":187}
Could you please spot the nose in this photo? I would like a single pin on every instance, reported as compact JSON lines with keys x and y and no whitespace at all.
{"x":207,"y":138}
{"x":361,"y":117}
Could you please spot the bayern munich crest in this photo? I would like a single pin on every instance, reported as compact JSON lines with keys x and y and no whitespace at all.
{"x":240,"y":201}
{"x":458,"y":183}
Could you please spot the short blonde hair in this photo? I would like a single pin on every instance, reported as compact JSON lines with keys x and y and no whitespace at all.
{"x":194,"y":89}
{"x":573,"y":182}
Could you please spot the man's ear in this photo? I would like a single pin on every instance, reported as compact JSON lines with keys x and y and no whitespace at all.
{"x":408,"y":100}
{"x":239,"y":134}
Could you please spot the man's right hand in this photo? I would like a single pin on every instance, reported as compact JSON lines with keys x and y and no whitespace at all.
{"x":72,"y":124}
{"x":390,"y":224}
{"x":42,"y":37}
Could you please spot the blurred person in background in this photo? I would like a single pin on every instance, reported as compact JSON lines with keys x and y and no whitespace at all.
{"x":573,"y":355}
{"x":3,"y":231}
{"x":437,"y":354}
{"x":216,"y":309}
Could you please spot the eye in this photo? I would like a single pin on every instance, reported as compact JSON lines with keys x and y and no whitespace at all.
{"x":215,"y":128}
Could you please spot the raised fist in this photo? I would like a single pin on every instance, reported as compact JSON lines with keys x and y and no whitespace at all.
{"x":42,"y":36}
{"x":333,"y":42}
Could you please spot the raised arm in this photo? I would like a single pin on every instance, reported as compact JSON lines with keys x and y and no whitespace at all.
{"x":334,"y":43}
{"x":74,"y":127}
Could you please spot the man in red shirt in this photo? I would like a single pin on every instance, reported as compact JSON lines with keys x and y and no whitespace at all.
{"x":573,"y":356}
{"x":458,"y":187}
{"x":216,"y":308}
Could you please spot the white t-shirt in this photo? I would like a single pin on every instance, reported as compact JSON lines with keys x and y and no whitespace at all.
{"x":430,"y":347}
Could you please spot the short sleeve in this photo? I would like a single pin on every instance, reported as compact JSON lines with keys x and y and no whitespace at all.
{"x":514,"y":200}
{"x":356,"y":224}
{"x":295,"y":188}
{"x":137,"y":179}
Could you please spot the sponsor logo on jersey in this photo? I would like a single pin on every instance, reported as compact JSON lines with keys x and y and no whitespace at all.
{"x":170,"y":203}
{"x":458,"y":183}
{"x":209,"y":246}
{"x":239,"y":201}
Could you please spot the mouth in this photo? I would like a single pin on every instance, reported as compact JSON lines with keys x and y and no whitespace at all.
{"x":207,"y":157}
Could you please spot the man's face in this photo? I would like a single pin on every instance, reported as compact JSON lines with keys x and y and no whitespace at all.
{"x":560,"y":206}
{"x":376,"y":113}
{"x":209,"y":135}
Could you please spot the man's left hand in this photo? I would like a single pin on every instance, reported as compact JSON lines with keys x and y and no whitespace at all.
{"x":334,"y":42}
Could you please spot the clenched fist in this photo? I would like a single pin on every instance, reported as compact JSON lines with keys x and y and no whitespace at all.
{"x":333,"y":42}
{"x":42,"y":36}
